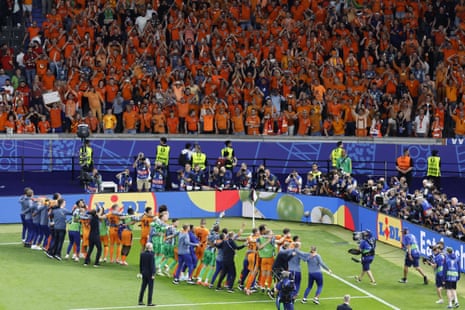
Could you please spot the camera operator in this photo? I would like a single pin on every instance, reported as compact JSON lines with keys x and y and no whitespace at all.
{"x":158,"y":178}
{"x":142,"y":166}
{"x":124,"y":181}
{"x":259,"y":178}
{"x":367,"y":249}
{"x":272,"y":183}
{"x":294,"y":182}
{"x":311,"y":185}
{"x":244,"y":177}
{"x":95,"y":182}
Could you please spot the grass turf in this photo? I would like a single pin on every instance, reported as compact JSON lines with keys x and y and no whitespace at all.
{"x":30,"y":280}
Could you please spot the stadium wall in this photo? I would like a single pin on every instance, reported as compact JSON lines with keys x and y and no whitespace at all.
{"x":373,"y":156}
{"x":271,"y":206}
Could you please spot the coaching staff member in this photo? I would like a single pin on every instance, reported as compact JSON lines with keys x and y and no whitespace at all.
{"x":147,"y":273}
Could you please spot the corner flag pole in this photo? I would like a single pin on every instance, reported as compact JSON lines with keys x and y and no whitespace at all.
{"x":253,"y":198}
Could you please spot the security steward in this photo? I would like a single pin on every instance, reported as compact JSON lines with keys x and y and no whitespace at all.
{"x":434,"y":169}
{"x":404,"y":166}
{"x":199,"y":158}
{"x":336,"y":154}
{"x":163,"y":157}
{"x":228,"y":153}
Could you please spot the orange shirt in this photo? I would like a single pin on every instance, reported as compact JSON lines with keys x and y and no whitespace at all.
{"x":55,"y":118}
{"x":173,"y":124}
{"x":129,"y":120}
{"x":253,"y":125}
{"x":222,"y":121}
{"x":208,"y":121}
{"x":159,"y":123}
{"x":44,"y":127}
{"x":237,"y":122}
{"x":192,"y":123}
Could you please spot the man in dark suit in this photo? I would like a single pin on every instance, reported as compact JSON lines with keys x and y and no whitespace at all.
{"x":345,"y":305}
{"x":147,"y":273}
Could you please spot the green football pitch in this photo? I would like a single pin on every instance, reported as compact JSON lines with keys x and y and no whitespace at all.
{"x":30,"y":280}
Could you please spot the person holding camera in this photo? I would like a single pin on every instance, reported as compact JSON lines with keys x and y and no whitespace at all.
{"x":158,"y":178}
{"x":94,"y":182}
{"x":412,"y":255}
{"x":142,"y":166}
{"x":294,"y":182}
{"x":124,"y":181}
{"x":284,"y":291}
{"x":367,"y":249}
{"x":244,"y":177}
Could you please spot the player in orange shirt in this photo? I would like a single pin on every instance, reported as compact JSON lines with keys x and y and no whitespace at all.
{"x":113,"y":218}
{"x":201,"y":232}
{"x":249,"y":273}
{"x":145,"y":221}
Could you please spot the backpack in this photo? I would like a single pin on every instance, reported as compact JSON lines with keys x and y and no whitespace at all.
{"x":287,"y":291}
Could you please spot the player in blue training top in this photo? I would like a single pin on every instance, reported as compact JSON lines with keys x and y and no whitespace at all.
{"x":451,"y":276}
{"x":412,"y":255}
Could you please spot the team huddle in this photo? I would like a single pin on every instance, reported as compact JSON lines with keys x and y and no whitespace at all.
{"x":198,"y":255}
{"x":203,"y":256}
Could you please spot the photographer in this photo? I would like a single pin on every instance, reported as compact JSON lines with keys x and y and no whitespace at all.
{"x":259,"y":178}
{"x":142,"y":166}
{"x":294,"y":182}
{"x":158,"y":178}
{"x":367,"y":249}
{"x":244,"y":177}
{"x":124,"y":181}
{"x":95,"y":182}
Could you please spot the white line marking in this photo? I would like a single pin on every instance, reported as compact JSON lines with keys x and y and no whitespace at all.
{"x":210,"y":303}
{"x":363,"y":291}
{"x":15,"y":243}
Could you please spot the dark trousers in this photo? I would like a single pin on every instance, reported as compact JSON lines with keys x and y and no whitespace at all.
{"x":45,"y":233}
{"x":228,"y":269}
{"x":58,"y":239}
{"x":146,"y":281}
{"x":24,"y":231}
{"x":30,"y":230}
{"x":94,"y":242}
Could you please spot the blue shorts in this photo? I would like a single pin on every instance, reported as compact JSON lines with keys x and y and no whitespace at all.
{"x":366,"y":262}
{"x":414,"y":262}
{"x":438,"y":281}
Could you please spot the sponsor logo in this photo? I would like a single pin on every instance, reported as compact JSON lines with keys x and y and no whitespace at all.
{"x":389,"y":230}
{"x":137,"y":201}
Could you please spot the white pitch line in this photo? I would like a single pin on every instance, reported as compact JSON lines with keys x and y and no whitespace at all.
{"x":10,"y":243}
{"x":211,"y":303}
{"x":364,"y":291}
{"x":15,"y":243}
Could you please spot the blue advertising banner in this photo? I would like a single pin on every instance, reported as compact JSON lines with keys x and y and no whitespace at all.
{"x":116,"y":154}
{"x":180,"y":204}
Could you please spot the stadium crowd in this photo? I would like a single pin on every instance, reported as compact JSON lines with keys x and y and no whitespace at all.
{"x":364,"y":68}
